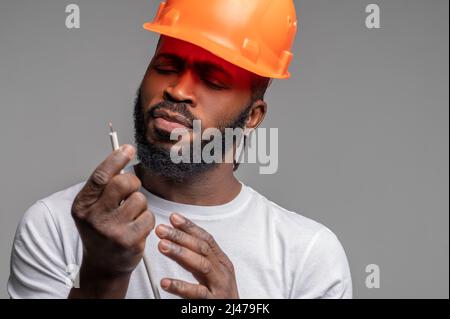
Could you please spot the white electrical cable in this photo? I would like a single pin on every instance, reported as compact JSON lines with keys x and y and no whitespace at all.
{"x":152,"y":279}
{"x":147,"y":264}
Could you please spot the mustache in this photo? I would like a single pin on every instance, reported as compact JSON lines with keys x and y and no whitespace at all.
{"x":181,"y":109}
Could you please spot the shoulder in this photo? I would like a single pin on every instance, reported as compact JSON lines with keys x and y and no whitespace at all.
{"x":46,"y":243}
{"x":63,"y":198}
{"x":50,"y":215}
{"x":286,"y":221}
{"x":313,"y":252}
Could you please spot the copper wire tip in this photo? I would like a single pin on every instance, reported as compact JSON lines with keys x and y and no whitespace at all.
{"x":111,"y":127}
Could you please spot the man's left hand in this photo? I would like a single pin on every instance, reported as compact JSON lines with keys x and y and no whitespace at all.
{"x":196,"y":250}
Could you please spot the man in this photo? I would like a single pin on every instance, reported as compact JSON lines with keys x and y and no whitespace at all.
{"x":215,"y":237}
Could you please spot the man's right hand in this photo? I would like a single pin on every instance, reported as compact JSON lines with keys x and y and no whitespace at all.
{"x":113,"y":222}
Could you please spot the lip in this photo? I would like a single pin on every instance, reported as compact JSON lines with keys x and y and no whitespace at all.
{"x":168,"y":122}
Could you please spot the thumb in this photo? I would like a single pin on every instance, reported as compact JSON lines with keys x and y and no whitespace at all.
{"x":103,"y":174}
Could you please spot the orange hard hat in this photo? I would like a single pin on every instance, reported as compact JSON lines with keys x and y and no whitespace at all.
{"x":256,"y":35}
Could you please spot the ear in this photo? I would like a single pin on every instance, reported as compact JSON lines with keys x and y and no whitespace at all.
{"x":257,"y":114}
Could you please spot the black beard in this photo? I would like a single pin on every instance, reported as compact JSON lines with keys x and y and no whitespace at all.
{"x":157,"y":158}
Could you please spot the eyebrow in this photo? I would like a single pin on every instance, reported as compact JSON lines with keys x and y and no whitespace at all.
{"x":202,"y":65}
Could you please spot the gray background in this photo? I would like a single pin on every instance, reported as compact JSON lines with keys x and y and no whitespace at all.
{"x":363,"y":123}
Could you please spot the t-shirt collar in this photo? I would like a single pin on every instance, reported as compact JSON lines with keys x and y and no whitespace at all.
{"x":166,"y":207}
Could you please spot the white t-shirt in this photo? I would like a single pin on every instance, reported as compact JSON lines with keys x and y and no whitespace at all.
{"x":276,"y":253}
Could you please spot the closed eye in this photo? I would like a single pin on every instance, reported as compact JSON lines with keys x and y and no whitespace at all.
{"x":170,"y":69}
{"x":165,"y":70}
{"x":214,"y":85}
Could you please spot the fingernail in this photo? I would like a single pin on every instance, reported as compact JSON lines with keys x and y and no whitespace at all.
{"x":165,"y":246}
{"x":178,"y":219}
{"x":165,"y":283}
{"x":128,"y":150}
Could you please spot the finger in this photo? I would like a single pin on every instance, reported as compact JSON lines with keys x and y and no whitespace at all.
{"x":118,"y":189}
{"x":141,"y":227}
{"x":185,"y":289}
{"x":194,"y":230}
{"x":186,"y":258}
{"x":132,"y":207}
{"x":101,"y":176}
{"x":181,"y":238}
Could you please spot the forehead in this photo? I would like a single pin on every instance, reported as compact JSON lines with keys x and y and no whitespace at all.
{"x":192,"y":53}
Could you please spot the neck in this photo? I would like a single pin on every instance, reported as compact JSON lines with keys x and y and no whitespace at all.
{"x":215,"y":187}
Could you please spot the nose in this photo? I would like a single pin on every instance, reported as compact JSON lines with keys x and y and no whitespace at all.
{"x":182,"y":90}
